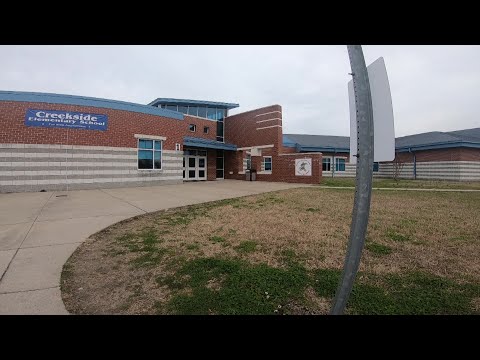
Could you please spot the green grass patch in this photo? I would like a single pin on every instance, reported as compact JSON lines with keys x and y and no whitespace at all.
{"x":403,"y":183}
{"x":412,"y":293}
{"x":378,"y":249}
{"x":313,"y":210}
{"x":193,"y":246}
{"x":217,"y":239}
{"x":246,"y":247}
{"x":396,"y":236}
{"x":242,"y":288}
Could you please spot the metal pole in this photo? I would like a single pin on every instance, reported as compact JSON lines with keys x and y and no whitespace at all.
{"x":364,"y":174}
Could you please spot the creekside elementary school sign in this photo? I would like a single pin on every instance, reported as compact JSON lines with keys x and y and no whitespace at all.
{"x":66,"y":119}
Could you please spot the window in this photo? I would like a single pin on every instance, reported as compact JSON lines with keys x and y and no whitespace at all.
{"x":192,"y":127}
{"x":177,"y":147}
{"x":206,"y":129}
{"x":326,"y":164}
{"x":149,"y":154}
{"x":249,"y":161}
{"x":202,"y":112}
{"x":220,"y":131}
{"x":192,"y":110}
{"x":339,"y":164}
{"x":183,"y":109}
{"x":211,"y":113}
{"x":172,"y":107}
{"x":267,"y":162}
{"x":375,"y":167}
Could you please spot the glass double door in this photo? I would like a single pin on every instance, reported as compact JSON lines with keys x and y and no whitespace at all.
{"x":194,"y":167}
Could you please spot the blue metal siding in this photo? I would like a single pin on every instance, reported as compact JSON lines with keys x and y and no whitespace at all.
{"x":87,"y":101}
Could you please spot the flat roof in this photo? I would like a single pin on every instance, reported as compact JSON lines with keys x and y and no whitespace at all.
{"x":220,"y":105}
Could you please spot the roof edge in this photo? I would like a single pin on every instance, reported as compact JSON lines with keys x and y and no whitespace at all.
{"x":52,"y":98}
{"x":196,"y":102}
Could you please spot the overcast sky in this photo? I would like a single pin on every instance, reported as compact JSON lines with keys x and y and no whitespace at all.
{"x":434,"y":88}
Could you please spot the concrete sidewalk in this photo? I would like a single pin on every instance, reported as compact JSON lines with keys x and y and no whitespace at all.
{"x":39,"y":231}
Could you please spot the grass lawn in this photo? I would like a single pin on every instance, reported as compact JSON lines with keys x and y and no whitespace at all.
{"x":282,"y":253}
{"x":416,"y":184}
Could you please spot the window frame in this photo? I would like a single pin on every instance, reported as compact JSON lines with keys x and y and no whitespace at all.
{"x":264,"y":163}
{"x":153,"y":154}
{"x":249,"y":157}
{"x":194,"y":127}
{"x":207,"y":128}
{"x":337,"y":164}
{"x":329,"y":163}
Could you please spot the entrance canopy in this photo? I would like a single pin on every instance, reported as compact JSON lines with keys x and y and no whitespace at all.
{"x":206,"y":143}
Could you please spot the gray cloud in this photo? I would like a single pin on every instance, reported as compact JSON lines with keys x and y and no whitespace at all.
{"x":433,"y":87}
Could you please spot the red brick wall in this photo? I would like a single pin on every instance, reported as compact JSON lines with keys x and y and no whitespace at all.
{"x":453,"y":154}
{"x":200,"y":123}
{"x":211,"y":164}
{"x":122,"y":126}
{"x":241,"y":129}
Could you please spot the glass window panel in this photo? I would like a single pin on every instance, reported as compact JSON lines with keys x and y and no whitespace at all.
{"x":191,"y":162}
{"x":375,"y":166}
{"x":184,"y":174}
{"x":219,"y":174}
{"x":158,"y":145}
{"x":201,"y":173}
{"x":219,"y":114}
{"x":201,"y":162}
{"x":202,"y":112}
{"x":183,"y":109}
{"x":191,"y":174}
{"x":183,"y":161}
{"x":220,"y":138}
{"x":268,"y":164}
{"x":145,"y":159}
{"x":192,"y":110}
{"x":192,"y":127}
{"x":172,"y":107}
{"x":206,"y":129}
{"x":158,"y":160}
{"x":220,"y":128}
{"x":212,"y":113}
{"x":219,"y":162}
{"x":145,"y":144}
{"x":326,"y":164}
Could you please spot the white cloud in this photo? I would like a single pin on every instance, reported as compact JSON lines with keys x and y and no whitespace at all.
{"x":434,"y":88}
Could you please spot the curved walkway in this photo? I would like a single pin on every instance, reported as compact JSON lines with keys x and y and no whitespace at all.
{"x":39,"y":231}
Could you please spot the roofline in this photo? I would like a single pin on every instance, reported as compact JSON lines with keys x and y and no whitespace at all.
{"x":212,"y":144}
{"x":63,"y":99}
{"x":196,"y":102}
{"x":322,"y":149}
{"x":441,"y":145}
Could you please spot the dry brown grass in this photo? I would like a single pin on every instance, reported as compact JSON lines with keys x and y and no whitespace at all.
{"x":435,"y":232}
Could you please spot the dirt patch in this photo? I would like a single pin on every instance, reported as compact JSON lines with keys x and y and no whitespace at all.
{"x":133,"y":266}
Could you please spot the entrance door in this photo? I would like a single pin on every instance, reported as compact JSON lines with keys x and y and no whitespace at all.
{"x":196,"y":168}
{"x":202,"y":168}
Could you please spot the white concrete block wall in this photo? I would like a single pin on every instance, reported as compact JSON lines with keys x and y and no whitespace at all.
{"x":31,"y":167}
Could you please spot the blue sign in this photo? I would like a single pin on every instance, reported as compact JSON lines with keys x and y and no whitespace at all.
{"x":66,"y":119}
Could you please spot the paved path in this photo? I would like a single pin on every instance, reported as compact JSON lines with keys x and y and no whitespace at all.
{"x":403,"y":189}
{"x":39,"y":231}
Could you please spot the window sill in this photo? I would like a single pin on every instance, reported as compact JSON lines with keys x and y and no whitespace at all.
{"x":265,"y":172}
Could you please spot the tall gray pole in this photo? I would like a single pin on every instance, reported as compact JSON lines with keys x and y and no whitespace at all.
{"x":364,"y":175}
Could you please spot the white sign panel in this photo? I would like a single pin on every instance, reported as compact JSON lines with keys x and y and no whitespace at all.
{"x":303,"y":167}
{"x":384,"y":133}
